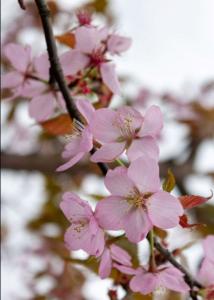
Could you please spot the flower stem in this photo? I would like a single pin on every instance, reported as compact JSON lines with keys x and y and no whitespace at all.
{"x":120,"y":162}
{"x":152,"y":254}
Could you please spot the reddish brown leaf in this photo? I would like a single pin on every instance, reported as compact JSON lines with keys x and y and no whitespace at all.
{"x":184,"y":222}
{"x":58,"y":126}
{"x":190,"y":201}
{"x":68,"y":39}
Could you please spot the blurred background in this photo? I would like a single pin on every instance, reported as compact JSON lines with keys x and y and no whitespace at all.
{"x":170,"y":63}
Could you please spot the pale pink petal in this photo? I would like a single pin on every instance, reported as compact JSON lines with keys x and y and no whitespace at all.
{"x":18,"y":55}
{"x":172,"y":280}
{"x":72,"y":148}
{"x":120,"y":255}
{"x":109,"y":77}
{"x":105,"y":264}
{"x":164,"y":210}
{"x":125,"y":269}
{"x":129,"y":119}
{"x":73,"y":61}
{"x":144,"y":283}
{"x":98,"y":243}
{"x":71,"y":162}
{"x":206,"y":274}
{"x":136,"y":224}
{"x":117,"y":44}
{"x":87,"y":39}
{"x":42,"y":66}
{"x":111,"y":211}
{"x":153,"y":122}
{"x":11,"y":80}
{"x":147,"y":146}
{"x":42,"y":107}
{"x":86,"y":143}
{"x":118,"y":183}
{"x":86,"y":109}
{"x":33,"y":88}
{"x":144,"y":171}
{"x":208,"y":245}
{"x":108,"y":152}
{"x":103,"y":125}
{"x":77,"y":237}
{"x":103,"y":33}
{"x":74,"y":208}
{"x":61,"y":101}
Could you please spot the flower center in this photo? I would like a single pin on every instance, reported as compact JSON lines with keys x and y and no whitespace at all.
{"x":125,"y":125}
{"x":97,"y":57}
{"x":138,"y":199}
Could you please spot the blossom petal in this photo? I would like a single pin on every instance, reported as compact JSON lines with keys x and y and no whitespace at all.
{"x":11,"y":80}
{"x":125,"y":269}
{"x":111,"y":211}
{"x":42,"y":66}
{"x":144,"y":283}
{"x":18,"y":55}
{"x":33,"y":88}
{"x":98,"y":243}
{"x":108,"y":152}
{"x":73,"y":61}
{"x":76,"y":239}
{"x":120,"y":255}
{"x":134,"y":118}
{"x":208,"y":245}
{"x":172,"y":280}
{"x":206,"y":274}
{"x":118,"y":183}
{"x":87,"y":39}
{"x":109,"y":77}
{"x":144,"y":172}
{"x":136,"y":224}
{"x":105,"y":264}
{"x":102,"y":125}
{"x":42,"y":107}
{"x":117,"y":44}
{"x":74,"y":208}
{"x":147,"y":146}
{"x":86,"y":109}
{"x":153,"y":122}
{"x":164,"y":210}
{"x":71,"y":162}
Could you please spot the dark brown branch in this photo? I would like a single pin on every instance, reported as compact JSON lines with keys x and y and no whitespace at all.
{"x":56,"y":69}
{"x":169,"y":257}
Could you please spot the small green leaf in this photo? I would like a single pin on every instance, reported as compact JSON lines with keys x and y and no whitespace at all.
{"x":169,"y":182}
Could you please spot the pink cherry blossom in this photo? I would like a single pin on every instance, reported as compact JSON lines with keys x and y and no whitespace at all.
{"x":84,"y":232}
{"x":18,"y":80}
{"x":47,"y":99}
{"x":127,"y":129}
{"x":206,"y":274}
{"x":81,"y":140}
{"x":90,"y":51}
{"x":146,"y":282}
{"x":136,"y":202}
{"x":117,"y":44}
{"x":112,"y":253}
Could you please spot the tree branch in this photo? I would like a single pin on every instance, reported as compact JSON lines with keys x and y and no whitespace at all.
{"x":169,"y":257}
{"x":56,"y":69}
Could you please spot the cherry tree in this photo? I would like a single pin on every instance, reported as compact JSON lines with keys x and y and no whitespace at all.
{"x":68,"y":90}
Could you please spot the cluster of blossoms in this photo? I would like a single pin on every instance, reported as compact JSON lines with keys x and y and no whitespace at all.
{"x":89,"y":62}
{"x":136,"y":202}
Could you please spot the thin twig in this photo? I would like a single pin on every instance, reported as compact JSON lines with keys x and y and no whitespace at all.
{"x":168,"y":255}
{"x":56,"y":69}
